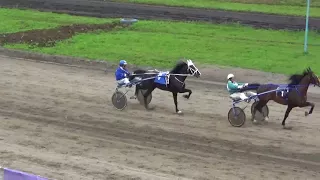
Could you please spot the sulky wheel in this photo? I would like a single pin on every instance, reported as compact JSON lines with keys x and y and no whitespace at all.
{"x":141,"y":99}
{"x":119,"y":100}
{"x":258,"y":116}
{"x":236,"y":117}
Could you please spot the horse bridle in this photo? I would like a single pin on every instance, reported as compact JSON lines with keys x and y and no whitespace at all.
{"x":192,"y":71}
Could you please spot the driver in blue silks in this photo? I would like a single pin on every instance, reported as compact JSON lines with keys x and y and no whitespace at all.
{"x":122,"y":73}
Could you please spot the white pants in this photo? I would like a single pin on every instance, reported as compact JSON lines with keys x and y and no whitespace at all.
{"x":242,"y":96}
{"x":124,"y":81}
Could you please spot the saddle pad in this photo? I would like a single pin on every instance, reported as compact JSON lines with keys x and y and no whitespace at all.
{"x":162,"y":78}
{"x":282,"y":91}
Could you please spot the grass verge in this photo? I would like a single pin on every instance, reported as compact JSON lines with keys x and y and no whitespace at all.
{"x":283,"y":7}
{"x":161,"y":43}
{"x":15,"y":20}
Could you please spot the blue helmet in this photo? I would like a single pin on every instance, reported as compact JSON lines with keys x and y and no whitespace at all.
{"x":123,"y":62}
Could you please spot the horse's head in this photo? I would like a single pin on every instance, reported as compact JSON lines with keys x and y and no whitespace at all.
{"x":192,"y":69}
{"x":307,"y":77}
{"x":314,"y":79}
{"x":186,"y":68}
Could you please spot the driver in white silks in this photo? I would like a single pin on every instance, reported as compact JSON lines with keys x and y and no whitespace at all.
{"x":234,"y":89}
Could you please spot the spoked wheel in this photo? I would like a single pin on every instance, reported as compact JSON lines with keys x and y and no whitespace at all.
{"x":236,"y":117}
{"x":141,"y":98}
{"x":119,"y":100}
{"x":258,"y":116}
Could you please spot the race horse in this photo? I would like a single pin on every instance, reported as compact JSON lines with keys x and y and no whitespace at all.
{"x":293,"y":95}
{"x":172,"y":81}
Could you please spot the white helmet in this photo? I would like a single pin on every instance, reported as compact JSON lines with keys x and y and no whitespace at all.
{"x":230,"y":76}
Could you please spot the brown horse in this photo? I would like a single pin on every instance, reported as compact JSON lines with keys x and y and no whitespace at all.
{"x":293,"y":95}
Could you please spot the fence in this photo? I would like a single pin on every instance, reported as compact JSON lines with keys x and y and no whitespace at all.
{"x":11,"y":174}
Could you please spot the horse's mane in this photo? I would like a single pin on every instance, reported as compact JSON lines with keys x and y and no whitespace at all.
{"x":178,"y":66}
{"x":296,"y":78}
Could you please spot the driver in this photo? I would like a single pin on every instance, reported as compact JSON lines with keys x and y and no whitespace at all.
{"x":234,"y":89}
{"x":122,"y":73}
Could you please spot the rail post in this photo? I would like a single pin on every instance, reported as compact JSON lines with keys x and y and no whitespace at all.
{"x":306,"y":28}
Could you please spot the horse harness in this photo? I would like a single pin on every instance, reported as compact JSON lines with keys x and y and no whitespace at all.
{"x":285,"y":91}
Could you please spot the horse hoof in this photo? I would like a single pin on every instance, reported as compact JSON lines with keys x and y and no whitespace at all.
{"x":266,"y":119}
{"x":150,"y":109}
{"x":255,"y":121}
{"x":133,"y":97}
{"x":179,"y":112}
{"x":287,"y":127}
{"x":186,"y":96}
{"x":306,"y":113}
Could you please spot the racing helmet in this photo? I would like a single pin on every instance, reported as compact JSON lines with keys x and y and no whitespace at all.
{"x":230,"y":76}
{"x":122,"y":62}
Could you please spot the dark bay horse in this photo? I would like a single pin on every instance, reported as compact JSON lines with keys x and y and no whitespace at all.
{"x":174,"y":81}
{"x":293,"y":95}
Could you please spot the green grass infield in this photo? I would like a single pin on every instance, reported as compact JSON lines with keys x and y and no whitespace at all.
{"x":162,"y":43}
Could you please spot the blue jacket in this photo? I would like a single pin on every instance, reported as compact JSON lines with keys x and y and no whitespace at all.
{"x":121,"y":73}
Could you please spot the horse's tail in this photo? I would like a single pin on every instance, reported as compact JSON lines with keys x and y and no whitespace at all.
{"x":140,"y":73}
{"x":252,"y":86}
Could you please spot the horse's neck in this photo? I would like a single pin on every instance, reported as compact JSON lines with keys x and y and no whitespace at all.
{"x":304,"y":85}
{"x":182,"y":76}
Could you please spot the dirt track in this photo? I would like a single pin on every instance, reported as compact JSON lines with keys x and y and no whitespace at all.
{"x":57,"y":121}
{"x":102,"y":8}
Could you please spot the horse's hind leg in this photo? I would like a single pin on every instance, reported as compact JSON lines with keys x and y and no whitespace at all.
{"x":266,"y":116}
{"x":258,"y":107}
{"x":254,"y":112}
{"x":135,"y":93}
{"x":145,"y":97}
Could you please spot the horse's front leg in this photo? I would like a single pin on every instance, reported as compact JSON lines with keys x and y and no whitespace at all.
{"x":186,"y":90}
{"x":308,"y":104}
{"x":175,"y":99}
{"x":289,"y":108}
{"x":145,"y":98}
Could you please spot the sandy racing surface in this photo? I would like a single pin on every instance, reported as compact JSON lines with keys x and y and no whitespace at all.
{"x":58,"y":122}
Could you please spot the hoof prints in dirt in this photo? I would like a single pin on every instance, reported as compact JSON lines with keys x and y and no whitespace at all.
{"x":48,"y":37}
